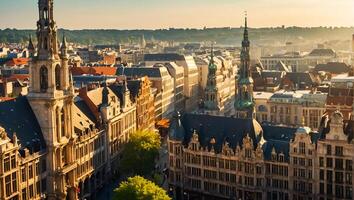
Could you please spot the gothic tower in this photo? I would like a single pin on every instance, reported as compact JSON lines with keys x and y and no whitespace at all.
{"x":211,"y":102}
{"x":244,"y":104}
{"x":51,"y":98}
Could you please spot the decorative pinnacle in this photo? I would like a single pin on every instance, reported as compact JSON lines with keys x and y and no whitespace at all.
{"x":245,"y":19}
{"x":212,"y":53}
{"x":64,"y":41}
{"x":30,"y":44}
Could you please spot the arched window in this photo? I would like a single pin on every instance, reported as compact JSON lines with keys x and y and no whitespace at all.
{"x":62,"y":120}
{"x":43,"y":79}
{"x":45,"y":43}
{"x":58,"y":127}
{"x":57,"y":77}
{"x":262,"y":108}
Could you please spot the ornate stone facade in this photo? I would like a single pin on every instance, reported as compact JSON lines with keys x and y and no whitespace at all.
{"x":289,"y":164}
{"x":56,"y":144}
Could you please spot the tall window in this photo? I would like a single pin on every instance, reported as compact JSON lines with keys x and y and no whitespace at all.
{"x":43,"y":79}
{"x":62,"y":120}
{"x":57,"y":77}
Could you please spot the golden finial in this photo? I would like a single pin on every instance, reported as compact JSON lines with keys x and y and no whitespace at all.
{"x":303,"y":121}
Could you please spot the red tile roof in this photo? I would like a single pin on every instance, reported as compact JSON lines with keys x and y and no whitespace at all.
{"x":21,"y":77}
{"x":2,"y":99}
{"x":17,"y":62}
{"x":108,"y":71}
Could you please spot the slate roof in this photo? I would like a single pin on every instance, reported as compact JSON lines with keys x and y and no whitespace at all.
{"x":139,"y":71}
{"x":163,"y":57}
{"x":233,"y":131}
{"x":222,"y":129}
{"x":301,"y":78}
{"x":333,"y":67}
{"x":17,"y":116}
{"x":81,"y":105}
{"x":322,"y":52}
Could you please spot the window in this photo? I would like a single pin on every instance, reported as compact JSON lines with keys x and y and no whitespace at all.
{"x":321,"y":161}
{"x":302,"y":148}
{"x":30,"y":171}
{"x":62,"y":120}
{"x":339,"y":164}
{"x":23,"y":174}
{"x":24,"y":193}
{"x":329,"y":150}
{"x":14,"y":182}
{"x":321,"y":175}
{"x":339,"y":151}
{"x":8,"y":185}
{"x":7,"y":166}
{"x":31,"y":192}
{"x":43,"y":79}
{"x":329,"y":162}
{"x":13,"y":161}
{"x":57,"y":77}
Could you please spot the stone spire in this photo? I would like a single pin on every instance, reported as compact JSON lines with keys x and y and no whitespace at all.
{"x":46,"y":31}
{"x":244,"y":104}
{"x":30,"y":47}
{"x":63,"y":48}
{"x":211,"y":91}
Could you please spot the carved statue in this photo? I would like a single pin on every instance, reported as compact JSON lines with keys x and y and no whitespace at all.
{"x":2,"y":133}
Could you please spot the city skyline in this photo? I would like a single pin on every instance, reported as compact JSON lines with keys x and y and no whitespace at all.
{"x":152,"y":14}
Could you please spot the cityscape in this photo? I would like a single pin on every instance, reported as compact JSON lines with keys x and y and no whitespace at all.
{"x":260,"y":108}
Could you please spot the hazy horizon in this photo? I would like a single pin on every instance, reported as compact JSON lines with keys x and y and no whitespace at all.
{"x":164,"y":14}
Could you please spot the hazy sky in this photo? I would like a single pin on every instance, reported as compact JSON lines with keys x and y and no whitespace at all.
{"x":152,"y":14}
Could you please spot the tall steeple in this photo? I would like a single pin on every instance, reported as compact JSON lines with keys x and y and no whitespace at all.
{"x":51,"y":98}
{"x":46,"y":31}
{"x":244,"y":104}
{"x":211,"y":91}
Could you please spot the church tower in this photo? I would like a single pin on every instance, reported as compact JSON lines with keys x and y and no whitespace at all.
{"x":211,"y":96}
{"x":51,"y":98}
{"x":244,"y":103}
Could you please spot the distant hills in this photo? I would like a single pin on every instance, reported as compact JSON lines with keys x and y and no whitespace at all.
{"x":225,"y":36}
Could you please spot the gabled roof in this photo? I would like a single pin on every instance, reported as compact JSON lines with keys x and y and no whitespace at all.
{"x":322,"y":52}
{"x":16,"y":116}
{"x":333,"y":67}
{"x":301,"y":78}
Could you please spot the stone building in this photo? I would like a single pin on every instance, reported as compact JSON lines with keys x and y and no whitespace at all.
{"x":162,"y":81}
{"x":341,"y":95}
{"x":144,"y":100}
{"x":217,"y":85}
{"x":213,"y":157}
{"x":218,"y":157}
{"x":56,"y":144}
{"x":190,"y":88}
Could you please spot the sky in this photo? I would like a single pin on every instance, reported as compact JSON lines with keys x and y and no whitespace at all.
{"x":155,"y":14}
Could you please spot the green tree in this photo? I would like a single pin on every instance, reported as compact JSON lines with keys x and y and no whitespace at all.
{"x":138,"y":188}
{"x":140,"y":152}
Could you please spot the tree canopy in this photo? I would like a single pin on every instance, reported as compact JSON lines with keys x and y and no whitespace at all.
{"x":138,"y":188}
{"x":140,"y":152}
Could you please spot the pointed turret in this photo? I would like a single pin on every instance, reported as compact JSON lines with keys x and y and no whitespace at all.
{"x":63,"y":48}
{"x":211,"y":91}
{"x":244,"y":103}
{"x":30,"y":47}
{"x":105,"y":93}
